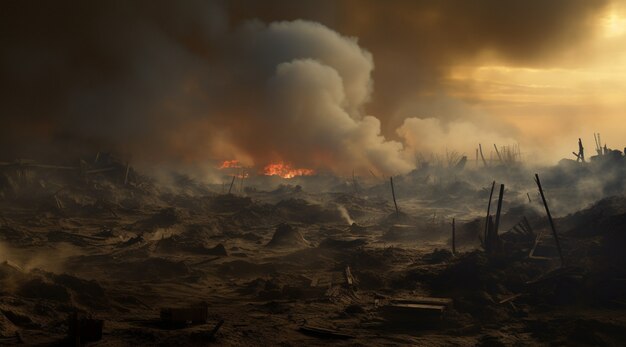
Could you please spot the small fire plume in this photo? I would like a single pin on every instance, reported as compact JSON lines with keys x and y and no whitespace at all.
{"x":229,"y":164}
{"x":285,"y":170}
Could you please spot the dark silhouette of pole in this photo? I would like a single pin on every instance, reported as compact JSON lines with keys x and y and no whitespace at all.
{"x":480,"y":148}
{"x":489,"y":209}
{"x":545,"y":204}
{"x":453,"y":237}
{"x":393,"y":193}
{"x":497,"y":224}
{"x":231,"y":184}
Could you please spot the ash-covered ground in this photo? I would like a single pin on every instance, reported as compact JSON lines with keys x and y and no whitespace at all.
{"x":312,"y":260}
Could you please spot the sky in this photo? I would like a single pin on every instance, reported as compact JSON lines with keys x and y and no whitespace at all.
{"x":329,"y":85}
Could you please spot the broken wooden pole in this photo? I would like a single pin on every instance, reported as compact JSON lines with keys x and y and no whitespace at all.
{"x":545,"y":204}
{"x":581,"y":150}
{"x":489,"y":239}
{"x":480,"y":148}
{"x":453,"y":237}
{"x":489,"y":209}
{"x":231,"y":184}
{"x":498,"y":153}
{"x":528,"y":195}
{"x":499,"y":210}
{"x":393,"y":194}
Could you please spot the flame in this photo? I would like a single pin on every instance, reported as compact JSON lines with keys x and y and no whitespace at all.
{"x":285,"y":170}
{"x":230,"y":164}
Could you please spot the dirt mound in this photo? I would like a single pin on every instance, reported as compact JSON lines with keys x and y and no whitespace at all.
{"x":165,"y":218}
{"x":38,"y":288}
{"x":287,"y":236}
{"x":603,"y":217}
{"x":85,"y":292}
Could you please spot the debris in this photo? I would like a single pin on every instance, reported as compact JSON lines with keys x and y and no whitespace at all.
{"x":349,"y":278}
{"x":324,"y":333}
{"x":414,"y":312}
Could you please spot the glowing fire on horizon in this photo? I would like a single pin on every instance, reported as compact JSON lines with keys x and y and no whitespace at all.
{"x":228,"y":164}
{"x":285,"y":170}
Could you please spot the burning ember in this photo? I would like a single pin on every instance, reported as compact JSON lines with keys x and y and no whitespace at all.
{"x":285,"y":170}
{"x":230,"y":164}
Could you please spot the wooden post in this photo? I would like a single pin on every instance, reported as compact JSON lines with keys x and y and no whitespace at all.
{"x":480,"y":149}
{"x":497,"y":224}
{"x":231,"y":184}
{"x":393,"y":193}
{"x":581,"y":150}
{"x":528,"y":195}
{"x":545,"y":204}
{"x":453,"y":237}
{"x":498,"y":153}
{"x":493,"y":185}
{"x":489,"y":240}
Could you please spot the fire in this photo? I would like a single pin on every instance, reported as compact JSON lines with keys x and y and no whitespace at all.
{"x":285,"y":170}
{"x":230,"y":164}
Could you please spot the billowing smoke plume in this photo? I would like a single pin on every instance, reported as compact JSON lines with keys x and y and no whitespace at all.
{"x":286,"y":91}
{"x":310,"y":85}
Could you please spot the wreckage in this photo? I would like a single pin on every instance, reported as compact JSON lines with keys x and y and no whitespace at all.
{"x":99,"y":252}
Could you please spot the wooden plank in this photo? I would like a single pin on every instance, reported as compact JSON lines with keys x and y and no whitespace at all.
{"x":324,"y":333}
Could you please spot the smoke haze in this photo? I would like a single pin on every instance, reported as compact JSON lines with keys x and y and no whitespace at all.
{"x":340,"y":86}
